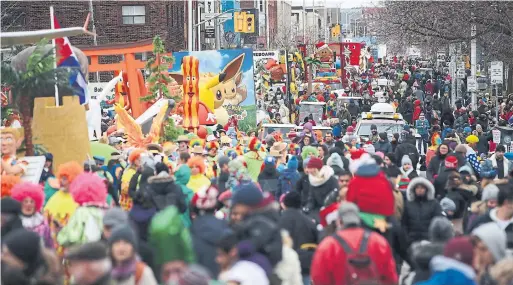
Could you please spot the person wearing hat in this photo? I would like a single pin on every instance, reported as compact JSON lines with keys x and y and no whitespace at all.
{"x":183,"y":143}
{"x":322,"y":183}
{"x":450,"y":164}
{"x":11,"y":212}
{"x":279,"y":151}
{"x":383,"y":145}
{"x":133,"y":170}
{"x":462,"y":197}
{"x":268,"y":178}
{"x":89,"y":264}
{"x":47,"y":169}
{"x":127,"y":268}
{"x":301,"y":228}
{"x":223,"y":173}
{"x":489,"y":198}
{"x":99,"y":160}
{"x":491,"y":243}
{"x":471,"y":154}
{"x":26,"y":261}
{"x":288,"y":178}
{"x":329,"y":264}
{"x":254,"y":158}
{"x":206,"y":229}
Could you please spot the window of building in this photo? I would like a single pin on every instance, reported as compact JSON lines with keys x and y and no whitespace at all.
{"x":134,"y":15}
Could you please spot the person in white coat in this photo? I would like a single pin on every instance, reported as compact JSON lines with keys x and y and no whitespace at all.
{"x":500,"y":163}
{"x":289,"y":268}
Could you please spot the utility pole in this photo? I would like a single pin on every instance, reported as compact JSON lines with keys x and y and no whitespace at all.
{"x":473,"y":59}
{"x":452,"y":69}
{"x":190,"y":29}
{"x":304,"y":22}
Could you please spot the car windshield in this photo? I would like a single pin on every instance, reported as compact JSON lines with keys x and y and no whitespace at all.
{"x":389,"y":128}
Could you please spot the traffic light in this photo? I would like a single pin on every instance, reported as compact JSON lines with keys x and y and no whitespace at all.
{"x":335,"y":31}
{"x":240,"y":24}
{"x":250,"y":23}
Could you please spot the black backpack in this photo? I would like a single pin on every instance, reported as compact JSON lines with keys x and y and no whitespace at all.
{"x":360,"y":268}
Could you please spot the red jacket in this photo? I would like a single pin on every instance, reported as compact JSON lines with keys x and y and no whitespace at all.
{"x":329,"y":261}
{"x":417,"y":110}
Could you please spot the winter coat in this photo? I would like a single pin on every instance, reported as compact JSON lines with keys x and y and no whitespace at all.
{"x":182,"y":176}
{"x":147,"y":278}
{"x":206,"y":231}
{"x":435,"y":164}
{"x":85,"y":225}
{"x":164,"y":192}
{"x":463,"y":198}
{"x":288,"y":269}
{"x":482,"y":145}
{"x":505,"y":163}
{"x":383,"y":146}
{"x":441,"y":181}
{"x":329,"y":265}
{"x":344,"y":115}
{"x":392,"y":171}
{"x":268,"y":179}
{"x":220,"y":181}
{"x":422,"y":127}
{"x":491,"y":216}
{"x":303,"y":187}
{"x":409,"y":149}
{"x":448,"y":271}
{"x":141,"y":219}
{"x":303,"y":231}
{"x":261,"y":229}
{"x":419,"y":211}
{"x":398,"y":204}
{"x":416,"y":111}
{"x":287,"y":182}
{"x":320,"y":186}
{"x":254,"y":161}
{"x":353,"y":110}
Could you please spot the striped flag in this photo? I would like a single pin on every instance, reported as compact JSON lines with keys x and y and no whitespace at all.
{"x":65,"y":57}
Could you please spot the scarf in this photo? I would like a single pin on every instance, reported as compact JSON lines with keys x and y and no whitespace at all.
{"x":322,"y":177}
{"x":125,"y":270}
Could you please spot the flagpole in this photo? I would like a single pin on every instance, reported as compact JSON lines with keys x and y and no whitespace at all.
{"x":52,"y":23}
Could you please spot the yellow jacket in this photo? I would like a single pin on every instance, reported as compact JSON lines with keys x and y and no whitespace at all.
{"x":197,"y":182}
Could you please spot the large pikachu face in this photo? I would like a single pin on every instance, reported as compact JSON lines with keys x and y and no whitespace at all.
{"x":190,"y":71}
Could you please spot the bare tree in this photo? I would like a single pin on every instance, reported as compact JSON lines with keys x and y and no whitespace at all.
{"x":435,"y":24}
{"x":290,"y":37}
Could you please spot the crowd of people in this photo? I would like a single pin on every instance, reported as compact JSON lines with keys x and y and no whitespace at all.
{"x":323,"y":210}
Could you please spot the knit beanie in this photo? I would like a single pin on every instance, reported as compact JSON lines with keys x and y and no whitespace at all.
{"x":247,"y":194}
{"x":223,"y":160}
{"x":447,"y":204}
{"x":26,"y":246}
{"x":115,"y":216}
{"x":315,"y":163}
{"x":270,"y":160}
{"x":10,"y":206}
{"x":440,"y":230}
{"x":451,"y":162}
{"x":293,"y":163}
{"x":292,"y":200}
{"x":493,"y":237}
{"x":406,"y":160}
{"x":490,"y":192}
{"x":194,"y":275}
{"x":383,"y":136}
{"x":125,"y":233}
{"x":369,"y":189}
{"x":460,"y":249}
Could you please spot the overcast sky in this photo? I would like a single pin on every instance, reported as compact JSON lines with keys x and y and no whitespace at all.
{"x":336,"y":3}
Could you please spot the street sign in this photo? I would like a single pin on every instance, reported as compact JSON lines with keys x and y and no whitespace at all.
{"x":210,"y":33}
{"x":460,"y":73}
{"x":210,"y":7}
{"x":461,"y":65}
{"x":229,"y":37}
{"x":496,"y":136}
{"x":471,"y":84}
{"x":496,"y":72}
{"x":440,"y":56}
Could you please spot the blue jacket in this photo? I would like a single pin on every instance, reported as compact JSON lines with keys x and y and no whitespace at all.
{"x":422,"y":127}
{"x":287,"y":181}
{"x":448,"y":271}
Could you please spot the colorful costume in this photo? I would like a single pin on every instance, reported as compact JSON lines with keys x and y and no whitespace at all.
{"x":254,"y":159}
{"x":199,"y":180}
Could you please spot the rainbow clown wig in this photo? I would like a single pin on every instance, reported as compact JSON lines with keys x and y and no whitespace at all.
{"x":196,"y":142}
{"x":254,"y":144}
{"x":70,"y":170}
{"x":294,"y":149}
{"x":135,"y":155}
{"x":211,"y":145}
{"x":89,"y":188}
{"x":29,"y":190}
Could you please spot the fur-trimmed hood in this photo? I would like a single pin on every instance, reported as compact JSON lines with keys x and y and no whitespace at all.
{"x":410,"y":191}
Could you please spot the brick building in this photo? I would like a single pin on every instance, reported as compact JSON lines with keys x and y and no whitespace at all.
{"x":115,"y":21}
